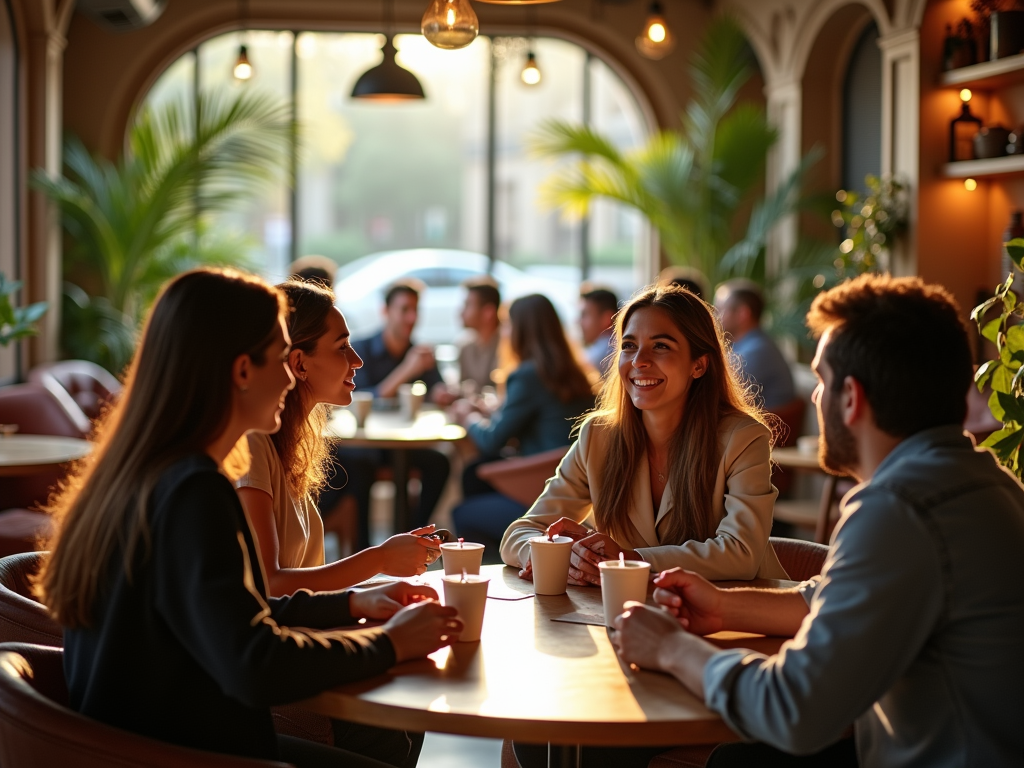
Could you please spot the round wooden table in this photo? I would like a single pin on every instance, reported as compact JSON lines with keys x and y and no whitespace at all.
{"x":537,"y":680}
{"x":22,"y":455}
{"x":389,"y":430}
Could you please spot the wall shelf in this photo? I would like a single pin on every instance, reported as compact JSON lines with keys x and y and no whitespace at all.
{"x":994,"y":166}
{"x":987,"y":75}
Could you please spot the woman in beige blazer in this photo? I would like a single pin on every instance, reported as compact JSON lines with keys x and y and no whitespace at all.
{"x":674,"y":466}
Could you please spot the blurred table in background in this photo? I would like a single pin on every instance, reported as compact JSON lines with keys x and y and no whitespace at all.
{"x":23,"y":455}
{"x":390,"y":430}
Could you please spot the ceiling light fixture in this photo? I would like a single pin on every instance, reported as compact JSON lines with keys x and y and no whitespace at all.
{"x":450,"y":24}
{"x":243,"y":69}
{"x":388,"y":82}
{"x":656,"y":40}
{"x":531,"y":72}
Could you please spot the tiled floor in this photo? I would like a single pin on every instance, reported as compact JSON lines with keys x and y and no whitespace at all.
{"x":443,"y":751}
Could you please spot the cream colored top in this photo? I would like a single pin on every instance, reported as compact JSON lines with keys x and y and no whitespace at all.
{"x":300,"y":531}
{"x":743,"y":504}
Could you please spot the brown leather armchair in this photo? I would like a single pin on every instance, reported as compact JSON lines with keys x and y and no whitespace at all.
{"x":37,"y":411}
{"x":801,"y":559}
{"x":22,"y":618}
{"x":90,"y":386}
{"x":38,"y":730}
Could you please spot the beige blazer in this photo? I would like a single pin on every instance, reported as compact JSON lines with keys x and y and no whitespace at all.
{"x":743,"y":504}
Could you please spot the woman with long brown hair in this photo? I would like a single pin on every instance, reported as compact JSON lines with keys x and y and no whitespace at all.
{"x":546,"y":391}
{"x":289,"y":467}
{"x":168,"y":630}
{"x":675,"y":463}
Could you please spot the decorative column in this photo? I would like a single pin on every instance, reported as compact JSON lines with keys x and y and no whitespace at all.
{"x":901,"y":66}
{"x":785,"y":109}
{"x":43,"y":270}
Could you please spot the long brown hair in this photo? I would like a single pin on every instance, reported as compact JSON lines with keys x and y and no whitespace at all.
{"x":537,"y":335}
{"x":694,"y":451}
{"x":176,"y":401}
{"x":305,"y":453}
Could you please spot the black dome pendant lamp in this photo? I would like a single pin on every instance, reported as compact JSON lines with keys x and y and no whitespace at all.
{"x":388,"y":81}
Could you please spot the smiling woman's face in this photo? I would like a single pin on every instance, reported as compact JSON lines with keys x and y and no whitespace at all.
{"x":655,"y":365}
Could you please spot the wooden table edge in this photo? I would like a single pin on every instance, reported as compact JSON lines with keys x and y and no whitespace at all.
{"x":610,"y":734}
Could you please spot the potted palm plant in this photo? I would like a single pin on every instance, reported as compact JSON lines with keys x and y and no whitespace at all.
{"x":133,"y":224}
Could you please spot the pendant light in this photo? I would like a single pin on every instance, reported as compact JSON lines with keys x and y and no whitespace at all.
{"x":388,"y":81}
{"x":243,"y":70}
{"x":517,"y":2}
{"x":243,"y":67}
{"x":656,"y":40}
{"x":450,"y":24}
{"x":531,"y":72}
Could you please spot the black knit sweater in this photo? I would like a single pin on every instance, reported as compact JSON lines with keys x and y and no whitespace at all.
{"x":190,"y":650}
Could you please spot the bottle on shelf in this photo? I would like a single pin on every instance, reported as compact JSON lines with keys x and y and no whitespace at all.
{"x":962,"y":130}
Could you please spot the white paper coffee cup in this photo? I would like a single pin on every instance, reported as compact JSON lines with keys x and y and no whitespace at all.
{"x":410,"y":399}
{"x":468,"y":596}
{"x":457,"y":557}
{"x":362,"y":404}
{"x":550,"y":560}
{"x":620,"y":583}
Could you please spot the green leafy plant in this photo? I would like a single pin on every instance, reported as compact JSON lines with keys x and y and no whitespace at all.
{"x":692,"y":185}
{"x":870,"y":224}
{"x":16,"y":322}
{"x":1005,"y":374}
{"x":135,"y":223}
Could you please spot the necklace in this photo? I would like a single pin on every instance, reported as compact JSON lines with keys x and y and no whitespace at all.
{"x":660,"y":473}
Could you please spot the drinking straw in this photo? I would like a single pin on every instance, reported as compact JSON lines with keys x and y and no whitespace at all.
{"x":463,"y":575}
{"x":460,"y":542}
{"x":622,"y":559}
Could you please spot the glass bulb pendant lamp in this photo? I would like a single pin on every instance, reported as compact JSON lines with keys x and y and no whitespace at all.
{"x":388,"y":81}
{"x":656,"y":40}
{"x":450,"y":24}
{"x":243,"y":67}
{"x":517,"y":2}
{"x":531,"y":72}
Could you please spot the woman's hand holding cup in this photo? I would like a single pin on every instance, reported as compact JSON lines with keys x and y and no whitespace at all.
{"x":379,"y":603}
{"x":588,"y":552}
{"x":421,"y":629}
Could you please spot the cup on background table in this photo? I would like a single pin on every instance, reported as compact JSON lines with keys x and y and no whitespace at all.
{"x":459,"y":556}
{"x":410,"y":399}
{"x":622,"y":581}
{"x":550,"y":560}
{"x":808,"y":445}
{"x":362,"y":404}
{"x":467,"y":594}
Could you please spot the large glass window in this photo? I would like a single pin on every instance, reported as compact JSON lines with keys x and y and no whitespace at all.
{"x":373,"y":178}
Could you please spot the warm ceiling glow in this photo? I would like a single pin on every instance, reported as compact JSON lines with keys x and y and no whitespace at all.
{"x":965,"y":94}
{"x":970,"y":185}
{"x":656,"y":33}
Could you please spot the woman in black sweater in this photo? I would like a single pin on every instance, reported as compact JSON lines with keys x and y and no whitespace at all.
{"x":154,"y":573}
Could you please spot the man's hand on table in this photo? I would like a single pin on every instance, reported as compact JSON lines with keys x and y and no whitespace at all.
{"x":651,"y":638}
{"x":694,"y":600}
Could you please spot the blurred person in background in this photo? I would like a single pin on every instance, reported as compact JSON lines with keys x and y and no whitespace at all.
{"x":597,"y":316}
{"x":314,"y":267}
{"x":478,"y":356}
{"x":391,"y":359}
{"x":740,"y":304}
{"x":546,"y":392}
{"x":689,"y":278}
